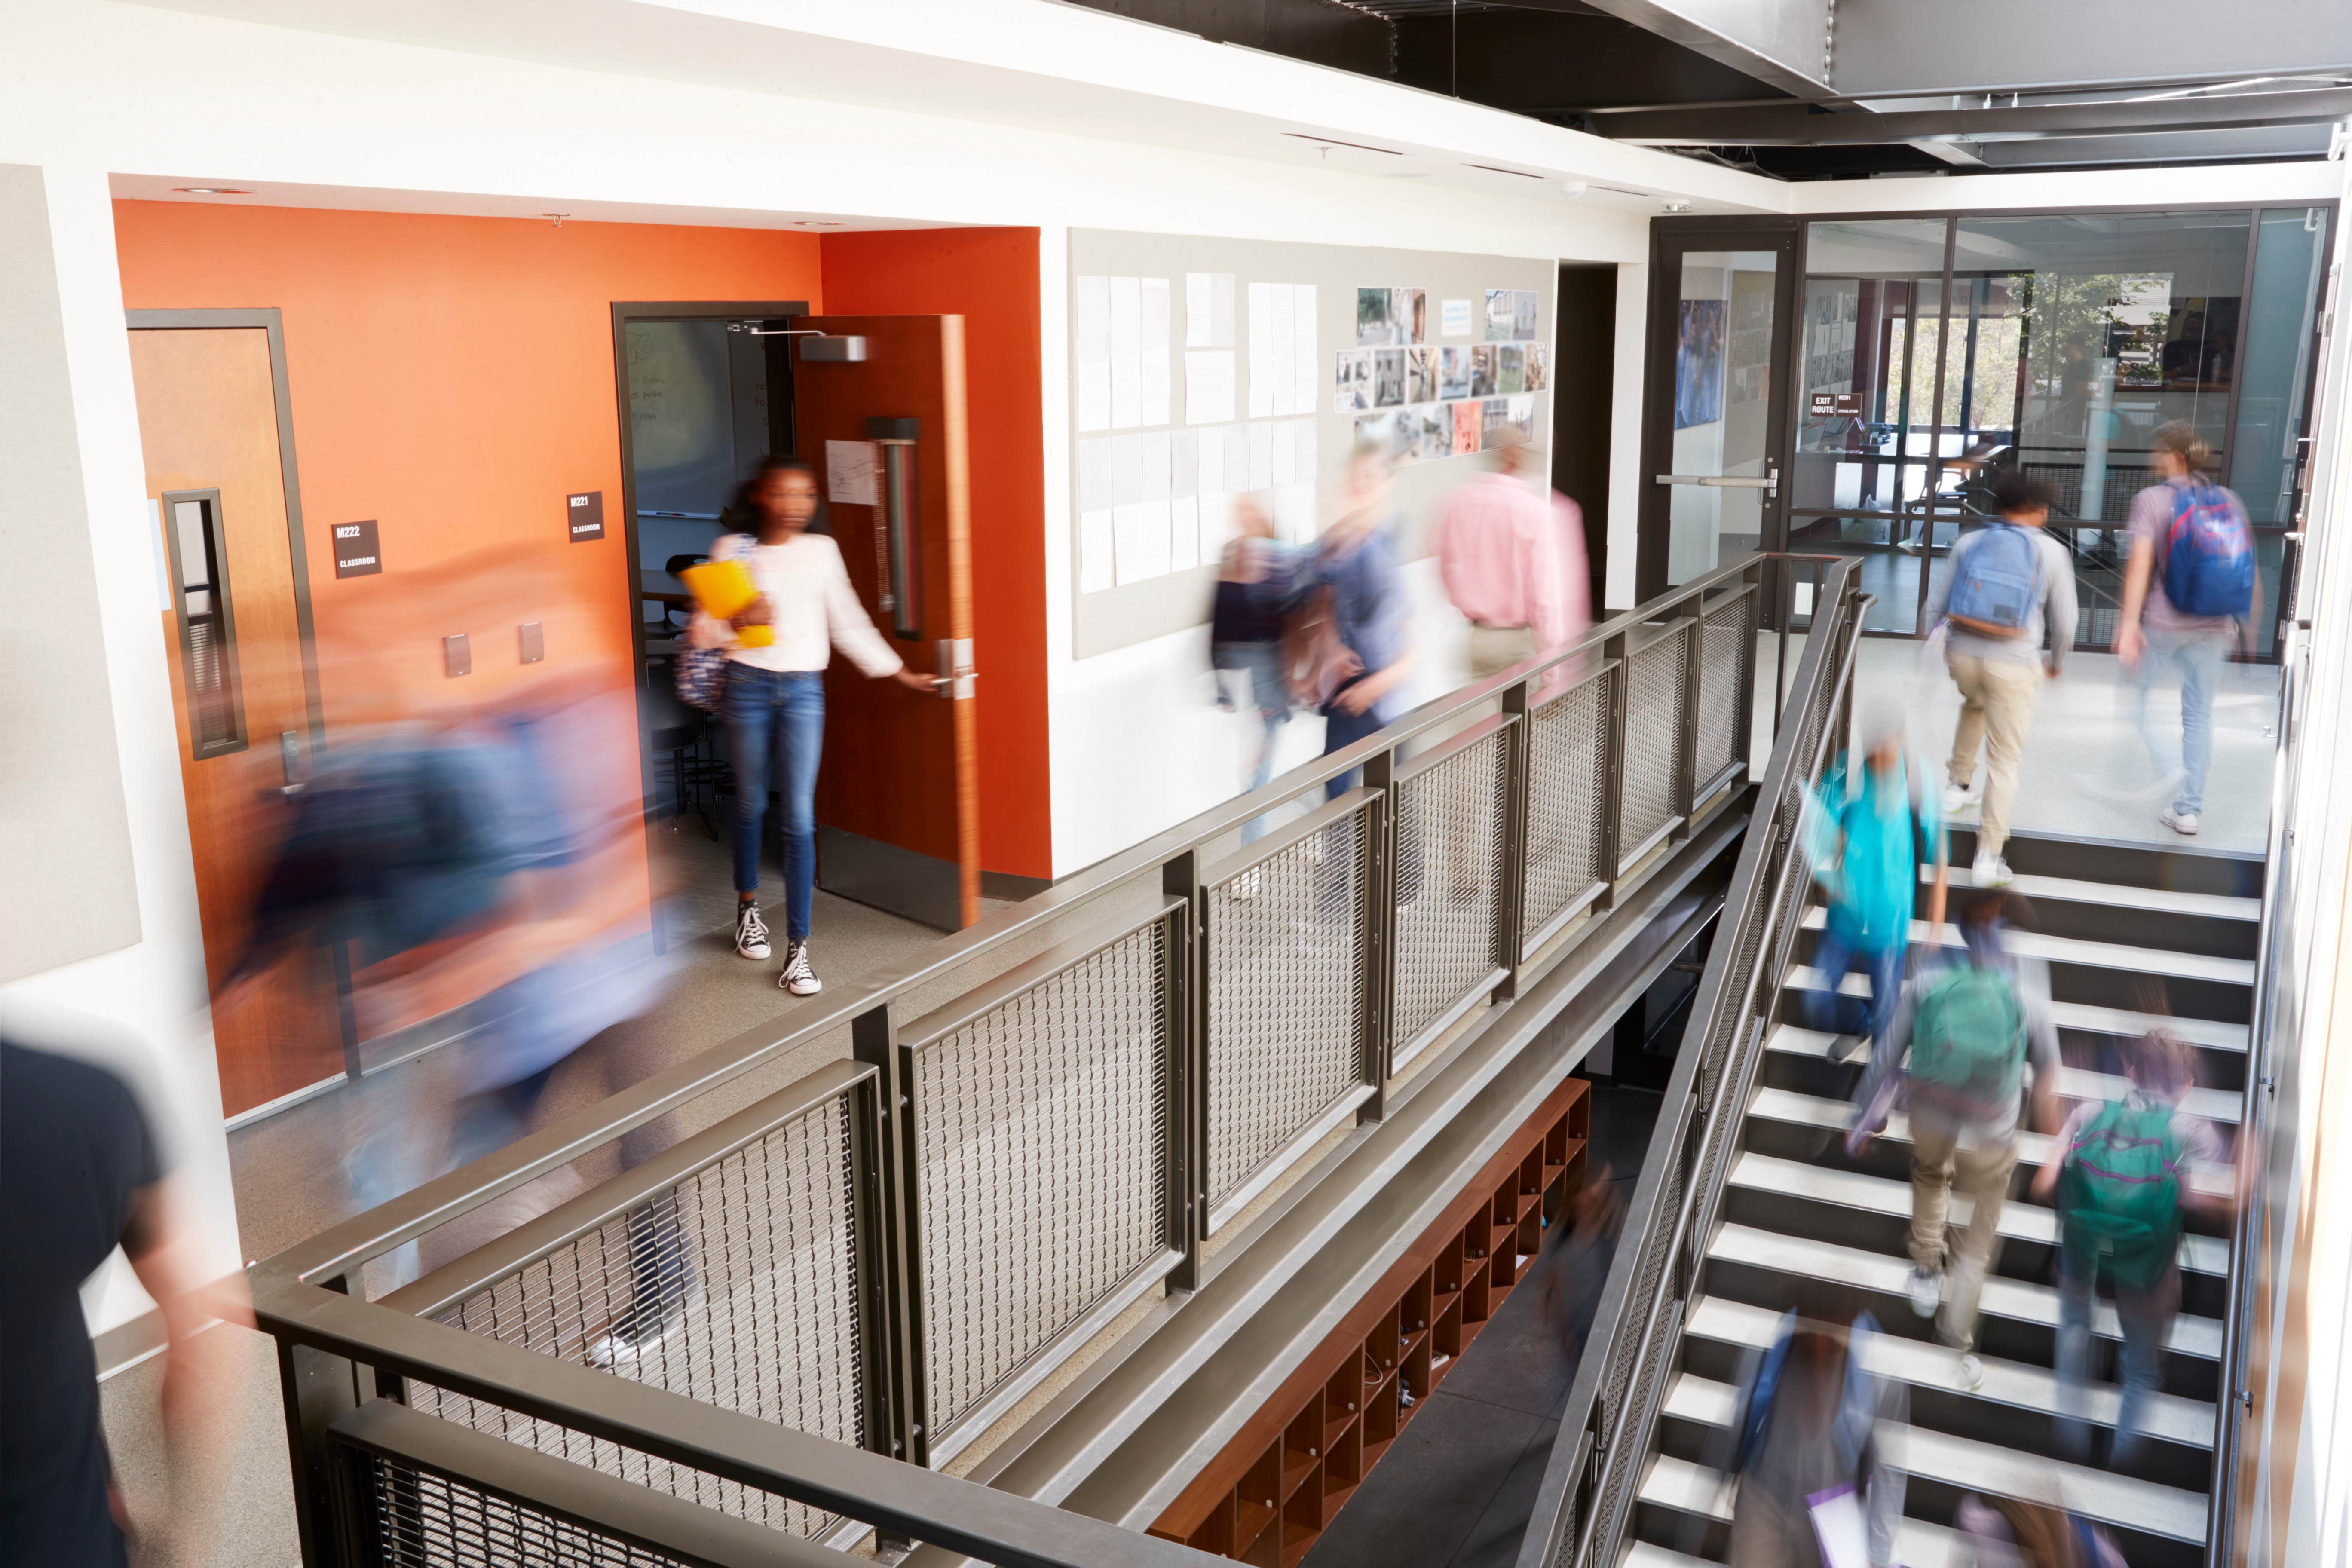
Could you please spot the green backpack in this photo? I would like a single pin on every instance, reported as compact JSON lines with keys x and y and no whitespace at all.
{"x":1967,"y":1037}
{"x":2120,"y":1192}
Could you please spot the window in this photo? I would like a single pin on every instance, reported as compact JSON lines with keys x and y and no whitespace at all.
{"x":200,"y":596}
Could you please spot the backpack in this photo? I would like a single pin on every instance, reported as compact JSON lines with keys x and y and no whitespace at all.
{"x":2208,"y":553}
{"x":2119,"y":1191}
{"x":1967,"y":1035}
{"x":1997,"y":580}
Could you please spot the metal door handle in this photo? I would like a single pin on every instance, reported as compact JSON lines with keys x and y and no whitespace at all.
{"x":955,"y":671}
{"x":1769,"y":484}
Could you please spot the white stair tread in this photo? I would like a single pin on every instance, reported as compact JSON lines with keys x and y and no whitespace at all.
{"x":2225,"y":1106}
{"x":2033,"y":1148}
{"x":2010,"y":1383}
{"x":1885,"y":1275}
{"x":2075,"y":950}
{"x":1876,"y":1194}
{"x":2207,"y":1033}
{"x":2110,"y":1498}
{"x":1686,"y":1488}
{"x":2163,"y":901}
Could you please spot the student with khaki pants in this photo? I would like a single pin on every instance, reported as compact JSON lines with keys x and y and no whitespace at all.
{"x":1999,"y":667}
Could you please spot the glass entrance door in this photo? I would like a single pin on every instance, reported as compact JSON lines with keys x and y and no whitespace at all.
{"x":1717,"y":400}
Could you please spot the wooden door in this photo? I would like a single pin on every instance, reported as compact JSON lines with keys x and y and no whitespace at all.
{"x":896,"y":805}
{"x":233,"y":640}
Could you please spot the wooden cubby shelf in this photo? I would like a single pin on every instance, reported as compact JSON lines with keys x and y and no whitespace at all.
{"x":1284,"y":1478}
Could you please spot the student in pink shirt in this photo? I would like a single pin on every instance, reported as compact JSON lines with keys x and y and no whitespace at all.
{"x":1514,"y":562}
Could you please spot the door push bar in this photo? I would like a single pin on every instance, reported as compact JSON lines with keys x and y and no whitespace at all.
{"x":1769,"y":484}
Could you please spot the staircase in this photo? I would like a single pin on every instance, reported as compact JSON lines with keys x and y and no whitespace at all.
{"x":2109,"y":916}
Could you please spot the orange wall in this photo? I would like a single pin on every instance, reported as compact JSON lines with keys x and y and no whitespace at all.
{"x":988,"y":276}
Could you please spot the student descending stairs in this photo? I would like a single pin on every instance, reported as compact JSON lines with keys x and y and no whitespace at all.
{"x":2110,"y":918}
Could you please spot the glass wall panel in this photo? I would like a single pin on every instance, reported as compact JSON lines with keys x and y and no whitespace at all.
{"x":1723,"y":385}
{"x":2289,"y":262}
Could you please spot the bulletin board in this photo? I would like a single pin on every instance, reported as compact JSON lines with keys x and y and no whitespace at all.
{"x":1203,"y":370}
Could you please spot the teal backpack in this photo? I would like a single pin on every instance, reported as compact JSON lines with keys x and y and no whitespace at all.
{"x":2120,"y":1192}
{"x":1967,"y":1037}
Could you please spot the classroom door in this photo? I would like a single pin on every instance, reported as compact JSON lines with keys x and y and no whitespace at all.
{"x":234,"y":639}
{"x":896,"y":803}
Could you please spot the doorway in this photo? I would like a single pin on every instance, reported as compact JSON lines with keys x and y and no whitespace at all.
{"x":1584,"y":382}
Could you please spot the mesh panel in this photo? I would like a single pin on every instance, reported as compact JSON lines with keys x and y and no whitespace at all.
{"x":1725,"y":650}
{"x":1567,"y":749}
{"x":1449,"y":877}
{"x":738,"y":1287}
{"x":1654,"y":725}
{"x":426,"y":1520}
{"x":1042,"y":1134}
{"x":1286,"y":996}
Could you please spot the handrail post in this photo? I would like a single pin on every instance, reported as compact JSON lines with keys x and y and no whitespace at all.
{"x":1619,"y":651}
{"x":871,"y":1212}
{"x":1382,"y":831}
{"x":1187,"y":1068}
{"x":874,"y":1039}
{"x":1692,"y":614}
{"x":1510,"y":893}
{"x":317,"y":1389}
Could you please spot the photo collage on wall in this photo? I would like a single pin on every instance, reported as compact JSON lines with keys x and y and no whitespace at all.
{"x":1416,"y":400}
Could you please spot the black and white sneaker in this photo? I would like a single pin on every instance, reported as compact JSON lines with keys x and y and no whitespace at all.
{"x":750,"y":931}
{"x":798,"y":978}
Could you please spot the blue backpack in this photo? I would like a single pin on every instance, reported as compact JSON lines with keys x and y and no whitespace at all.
{"x":1996,"y":581}
{"x":2208,"y":553}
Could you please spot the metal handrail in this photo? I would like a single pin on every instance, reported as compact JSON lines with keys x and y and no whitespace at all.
{"x":1596,"y":1432}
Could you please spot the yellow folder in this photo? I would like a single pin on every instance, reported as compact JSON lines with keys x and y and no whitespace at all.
{"x":722,"y":589}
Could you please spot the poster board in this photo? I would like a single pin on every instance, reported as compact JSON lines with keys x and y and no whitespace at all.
{"x":1205,"y":369}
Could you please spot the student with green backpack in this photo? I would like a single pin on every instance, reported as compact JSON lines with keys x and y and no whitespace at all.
{"x":2120,"y":1173}
{"x":1968,"y":1029}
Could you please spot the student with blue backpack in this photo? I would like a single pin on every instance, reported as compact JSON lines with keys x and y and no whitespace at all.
{"x":2190,"y":592}
{"x":2007,"y":587}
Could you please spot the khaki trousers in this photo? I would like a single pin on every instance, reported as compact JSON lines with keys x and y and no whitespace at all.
{"x":1939,"y":1164}
{"x":1493,"y":650}
{"x":1996,"y":711}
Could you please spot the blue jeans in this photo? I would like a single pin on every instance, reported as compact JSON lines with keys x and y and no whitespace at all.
{"x":2145,"y":1317}
{"x":1262,"y":664}
{"x":1342,"y":729}
{"x":776,"y":717}
{"x":1832,"y":1014}
{"x":2196,"y":656}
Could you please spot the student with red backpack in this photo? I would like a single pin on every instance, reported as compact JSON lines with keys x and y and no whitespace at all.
{"x":2191,"y":591}
{"x":2120,"y":1173}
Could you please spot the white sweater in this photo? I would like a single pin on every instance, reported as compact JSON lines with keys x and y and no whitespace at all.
{"x":810,"y":603}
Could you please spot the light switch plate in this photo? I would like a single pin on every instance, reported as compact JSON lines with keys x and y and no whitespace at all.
{"x":533,"y":642}
{"x":458,"y":655}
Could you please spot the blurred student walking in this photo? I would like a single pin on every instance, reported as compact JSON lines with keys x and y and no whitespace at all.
{"x":2120,"y":1173}
{"x":1245,"y":637}
{"x":1514,"y":562}
{"x":1357,"y":623}
{"x":2008,"y":587}
{"x":1969,"y":1029}
{"x":774,"y":699}
{"x":2191,"y":593}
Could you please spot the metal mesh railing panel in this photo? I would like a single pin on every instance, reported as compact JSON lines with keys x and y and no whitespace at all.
{"x":1449,"y":880}
{"x":738,"y":1287}
{"x":1654,"y":727}
{"x":1042,"y":1133}
{"x":1727,"y":649}
{"x":1286,"y":945}
{"x":1568,"y":749}
{"x":427,"y":1521}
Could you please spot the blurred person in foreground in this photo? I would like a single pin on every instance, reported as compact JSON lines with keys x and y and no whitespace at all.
{"x":2192,"y":594}
{"x":1513,"y":561}
{"x":1867,"y":848}
{"x":1963,"y":1035}
{"x":1805,"y":1454}
{"x":2121,"y":1173}
{"x":774,"y":699}
{"x":2012,"y":1532}
{"x":2008,"y":587}
{"x":1354,"y":644}
{"x":1580,"y":1249}
{"x":1254,"y":582}
{"x":80,"y":1174}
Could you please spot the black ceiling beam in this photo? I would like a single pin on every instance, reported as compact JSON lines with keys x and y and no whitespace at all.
{"x":1800,"y":125}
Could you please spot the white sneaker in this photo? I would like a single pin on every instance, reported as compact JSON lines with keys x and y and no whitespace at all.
{"x":798,"y":978}
{"x":1926,"y":1291}
{"x":1971,"y":1375}
{"x":1991,"y":871}
{"x":750,"y":931}
{"x":1959,"y":797}
{"x":2181,"y":822}
{"x":622,"y":1343}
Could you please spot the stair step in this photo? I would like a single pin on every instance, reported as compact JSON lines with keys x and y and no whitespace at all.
{"x":2016,"y":1384}
{"x":2091,"y":954}
{"x":1685,"y":1488}
{"x":2190,"y":1335}
{"x":2206,"y":1034}
{"x":2116,"y":894}
{"x":2033,"y":1148}
{"x":2020,"y":1221}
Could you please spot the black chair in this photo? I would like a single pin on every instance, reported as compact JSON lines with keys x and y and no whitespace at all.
{"x":677,"y":730}
{"x":673,"y":566}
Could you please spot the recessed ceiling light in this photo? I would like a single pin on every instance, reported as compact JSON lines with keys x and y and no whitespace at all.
{"x":1328,"y":143}
{"x":821,"y":223}
{"x":1494,"y":169}
{"x":1675,"y":206}
{"x":208,"y":191}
